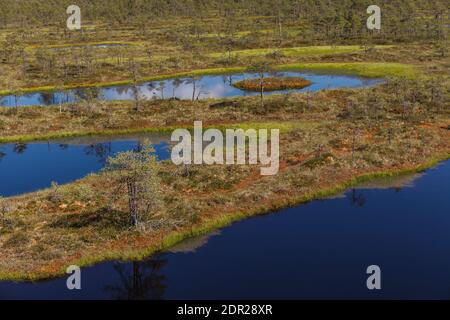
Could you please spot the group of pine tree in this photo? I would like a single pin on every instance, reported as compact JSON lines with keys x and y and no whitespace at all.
{"x":317,"y":20}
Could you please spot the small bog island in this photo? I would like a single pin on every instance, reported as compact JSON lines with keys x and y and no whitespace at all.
{"x":273,"y":84}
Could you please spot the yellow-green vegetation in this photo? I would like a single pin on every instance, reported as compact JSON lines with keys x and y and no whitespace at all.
{"x":330,"y":140}
{"x":298,"y":51}
{"x":344,"y":137}
{"x":363,"y":69}
{"x":176,"y":40}
{"x":187,"y":74}
{"x":272,"y":84}
{"x":284,"y":127}
{"x":134,"y":253}
{"x":79,"y":63}
{"x":86,"y":44}
{"x":101,"y":117}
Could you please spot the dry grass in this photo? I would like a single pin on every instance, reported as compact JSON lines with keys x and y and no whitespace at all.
{"x":43,"y":232}
{"x":272,"y":84}
{"x":329,"y":139}
{"x":168,"y":55}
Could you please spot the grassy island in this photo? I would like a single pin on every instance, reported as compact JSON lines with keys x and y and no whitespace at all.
{"x":329,"y":140}
{"x":272,"y":84}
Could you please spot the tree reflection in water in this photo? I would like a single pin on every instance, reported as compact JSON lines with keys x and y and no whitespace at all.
{"x":48,"y":98}
{"x":103,"y":151}
{"x":357,"y":199}
{"x":228,"y":79}
{"x":20,"y":148}
{"x":100,"y":150}
{"x":143,"y":282}
{"x":139,"y":146}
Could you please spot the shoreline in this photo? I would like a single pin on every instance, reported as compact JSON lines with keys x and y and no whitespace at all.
{"x":362,"y":69}
{"x":210,"y":225}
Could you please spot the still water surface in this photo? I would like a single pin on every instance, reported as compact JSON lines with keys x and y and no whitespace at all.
{"x":217,"y":86}
{"x":318,"y":250}
{"x":27,"y":167}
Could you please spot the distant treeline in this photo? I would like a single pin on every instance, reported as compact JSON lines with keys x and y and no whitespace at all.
{"x":404,"y":20}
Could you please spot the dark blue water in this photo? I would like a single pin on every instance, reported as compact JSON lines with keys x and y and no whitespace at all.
{"x":205,"y":87}
{"x":26,"y":167}
{"x":319,"y":250}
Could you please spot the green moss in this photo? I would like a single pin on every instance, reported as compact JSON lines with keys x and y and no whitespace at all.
{"x":298,"y":51}
{"x":363,"y":69}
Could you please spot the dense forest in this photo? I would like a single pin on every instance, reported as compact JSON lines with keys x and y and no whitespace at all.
{"x":326,"y":20}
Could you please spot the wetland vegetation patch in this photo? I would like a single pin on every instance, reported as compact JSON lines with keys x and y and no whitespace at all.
{"x":273,"y":84}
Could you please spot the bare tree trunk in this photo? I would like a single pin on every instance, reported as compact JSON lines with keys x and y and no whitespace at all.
{"x":261,"y":82}
{"x":132,"y":203}
{"x":280,"y":27}
{"x":353,"y":146}
{"x":194,"y":90}
{"x":136,"y":98}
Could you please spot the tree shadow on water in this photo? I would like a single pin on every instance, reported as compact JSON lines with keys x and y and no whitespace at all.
{"x":102,"y":151}
{"x":139,"y":280}
{"x":20,"y":148}
{"x":357,"y":198}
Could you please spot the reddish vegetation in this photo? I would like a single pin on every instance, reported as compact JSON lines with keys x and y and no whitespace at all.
{"x":273,"y":84}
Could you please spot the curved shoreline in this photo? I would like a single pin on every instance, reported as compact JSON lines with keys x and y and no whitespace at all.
{"x":272,"y":84}
{"x":175,"y":237}
{"x":362,"y":69}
